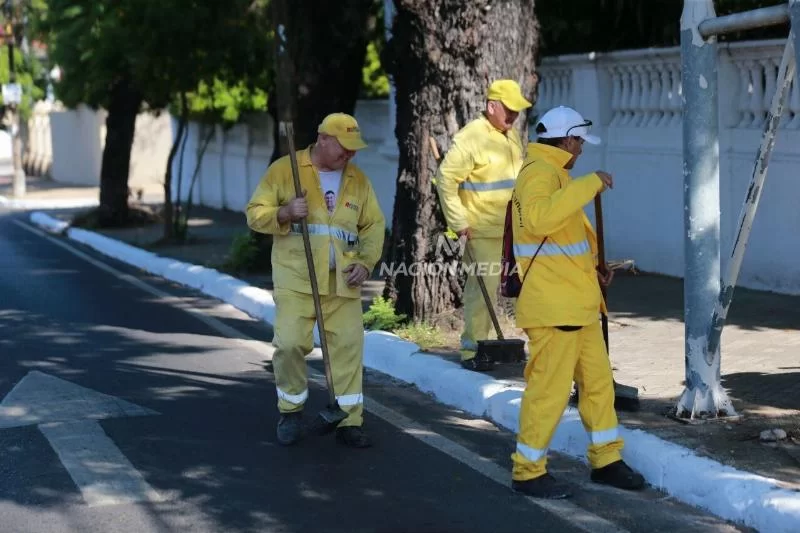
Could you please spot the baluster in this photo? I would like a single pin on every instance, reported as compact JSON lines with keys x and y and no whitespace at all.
{"x":616,"y":95}
{"x":570,"y":101}
{"x":644,"y":96}
{"x":545,"y":90}
{"x":655,"y":94}
{"x":770,"y":66}
{"x":636,"y":91}
{"x":676,"y":100}
{"x":544,"y":93}
{"x":563,"y":88}
{"x":624,"y":100}
{"x":757,"y":96}
{"x":745,"y":90}
{"x":663,"y":100}
{"x":558,"y":93}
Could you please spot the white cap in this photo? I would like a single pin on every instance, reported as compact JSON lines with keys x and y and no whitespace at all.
{"x":564,"y":121}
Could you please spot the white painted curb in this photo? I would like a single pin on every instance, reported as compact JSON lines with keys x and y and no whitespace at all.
{"x":30,"y":203}
{"x":749,"y":499}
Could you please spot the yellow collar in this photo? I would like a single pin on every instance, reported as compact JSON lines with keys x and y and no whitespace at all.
{"x":489,"y":126}
{"x":555,"y":156}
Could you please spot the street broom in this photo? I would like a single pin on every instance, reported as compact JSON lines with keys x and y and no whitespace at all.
{"x":626,"y":398}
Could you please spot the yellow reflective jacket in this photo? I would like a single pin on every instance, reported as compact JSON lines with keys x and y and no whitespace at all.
{"x":561,"y":288}
{"x":476,"y":177}
{"x":356,"y":228}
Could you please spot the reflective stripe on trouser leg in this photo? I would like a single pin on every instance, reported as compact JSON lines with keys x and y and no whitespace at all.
{"x":477,"y":323}
{"x":596,"y":399}
{"x":548,"y":376}
{"x":344,"y":331}
{"x":293,"y":340}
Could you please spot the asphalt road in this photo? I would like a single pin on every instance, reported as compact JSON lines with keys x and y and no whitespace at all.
{"x":133,"y":405}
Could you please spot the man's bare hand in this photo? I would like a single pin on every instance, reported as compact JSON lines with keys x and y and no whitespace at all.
{"x":608,"y":181}
{"x":466,"y":232}
{"x":295,"y":210}
{"x":356,"y":274}
{"x":605,"y":279}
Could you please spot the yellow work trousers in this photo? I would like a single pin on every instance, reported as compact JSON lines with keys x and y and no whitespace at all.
{"x":556,"y":358}
{"x":293,"y":340}
{"x":477,"y":322}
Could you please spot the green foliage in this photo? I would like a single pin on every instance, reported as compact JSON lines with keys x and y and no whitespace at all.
{"x":221,"y":102}
{"x":375,"y":83}
{"x":165,"y":47}
{"x":250,"y":252}
{"x":381,"y":315}
{"x":424,"y":335}
{"x":29,"y":73}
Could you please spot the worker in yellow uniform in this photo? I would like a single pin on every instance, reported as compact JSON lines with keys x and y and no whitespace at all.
{"x":559,"y":308}
{"x":346,"y":229}
{"x":474,"y":183}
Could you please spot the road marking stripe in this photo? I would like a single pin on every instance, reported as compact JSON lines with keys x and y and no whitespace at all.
{"x":565,"y":510}
{"x":99,"y":469}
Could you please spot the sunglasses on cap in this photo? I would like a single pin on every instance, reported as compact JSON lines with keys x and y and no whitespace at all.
{"x":586,"y":123}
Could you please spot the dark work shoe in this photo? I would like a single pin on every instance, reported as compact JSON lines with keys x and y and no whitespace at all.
{"x":479,"y":363}
{"x":353,"y":436}
{"x":619,"y":475}
{"x":290,"y":428}
{"x":545,"y":486}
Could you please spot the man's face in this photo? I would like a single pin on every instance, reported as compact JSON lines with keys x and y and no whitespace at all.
{"x":500,"y":116}
{"x":332,"y":155}
{"x":573,"y":145}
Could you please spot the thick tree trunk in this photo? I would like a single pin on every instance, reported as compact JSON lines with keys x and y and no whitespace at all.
{"x":327,"y":44}
{"x":123,"y":107}
{"x":443,"y":56}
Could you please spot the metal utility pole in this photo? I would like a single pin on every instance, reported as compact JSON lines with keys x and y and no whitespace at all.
{"x":12,"y":97}
{"x":703,"y":396}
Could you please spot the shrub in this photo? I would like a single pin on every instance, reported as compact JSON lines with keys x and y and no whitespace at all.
{"x":381,"y":315}
{"x":250,"y":252}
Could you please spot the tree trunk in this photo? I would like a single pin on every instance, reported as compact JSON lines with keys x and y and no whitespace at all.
{"x":443,"y":56}
{"x":172,"y":223}
{"x":327,"y":44}
{"x":123,"y":107}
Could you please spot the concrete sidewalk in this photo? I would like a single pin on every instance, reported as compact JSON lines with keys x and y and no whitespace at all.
{"x":761,"y":371}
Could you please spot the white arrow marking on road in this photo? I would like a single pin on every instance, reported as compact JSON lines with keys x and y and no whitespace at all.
{"x":67,"y":415}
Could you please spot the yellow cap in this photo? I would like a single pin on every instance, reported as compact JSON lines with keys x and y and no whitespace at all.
{"x":345,"y":129}
{"x":508,"y":92}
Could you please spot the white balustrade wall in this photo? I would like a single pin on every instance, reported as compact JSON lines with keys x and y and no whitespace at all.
{"x":634,"y":99}
{"x":37,"y":155}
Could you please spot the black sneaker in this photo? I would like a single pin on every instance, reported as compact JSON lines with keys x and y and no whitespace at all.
{"x":545,"y":486}
{"x":353,"y":436}
{"x":479,"y":363}
{"x":290,"y":428}
{"x":619,"y":475}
